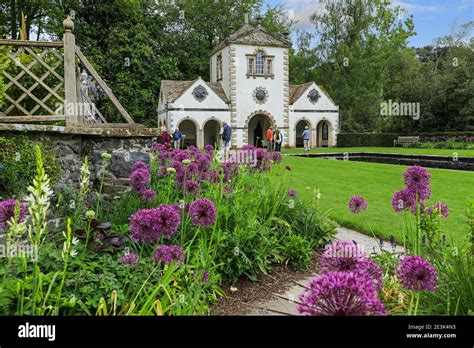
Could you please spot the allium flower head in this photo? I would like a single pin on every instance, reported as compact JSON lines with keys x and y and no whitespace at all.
{"x":441,"y":209}
{"x":404,"y":200}
{"x":341,"y":294}
{"x":357,"y":204}
{"x":7,"y":211}
{"x":139,"y":165}
{"x":202,"y":212}
{"x":418,"y":180}
{"x":148,"y":225}
{"x":415,"y":273}
{"x":277,"y":157}
{"x":148,"y":195}
{"x":292,"y":193}
{"x":168,"y":254}
{"x":129,"y":259}
{"x":139,"y":179}
{"x":192,"y":187}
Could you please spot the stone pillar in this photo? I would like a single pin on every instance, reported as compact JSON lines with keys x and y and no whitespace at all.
{"x":70,"y":100}
{"x":286,"y":99}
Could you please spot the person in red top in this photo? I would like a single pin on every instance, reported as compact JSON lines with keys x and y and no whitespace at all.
{"x":270,"y":139}
{"x":165,"y":138}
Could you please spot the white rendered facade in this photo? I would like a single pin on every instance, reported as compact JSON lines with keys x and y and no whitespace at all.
{"x":249,"y":89}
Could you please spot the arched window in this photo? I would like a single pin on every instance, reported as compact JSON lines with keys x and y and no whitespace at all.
{"x":325,"y":131}
{"x":259,"y":62}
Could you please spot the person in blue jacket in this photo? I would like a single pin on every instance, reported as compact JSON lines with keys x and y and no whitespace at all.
{"x":177,"y":136}
{"x":306,"y":135}
{"x":226,"y":135}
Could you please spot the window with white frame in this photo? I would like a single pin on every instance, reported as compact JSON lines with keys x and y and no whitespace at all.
{"x":260,"y":64}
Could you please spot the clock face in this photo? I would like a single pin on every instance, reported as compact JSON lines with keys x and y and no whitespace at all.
{"x":200,"y":93}
{"x":260,"y":94}
{"x":313,"y":95}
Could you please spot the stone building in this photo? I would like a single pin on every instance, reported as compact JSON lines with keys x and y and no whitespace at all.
{"x":249,"y":89}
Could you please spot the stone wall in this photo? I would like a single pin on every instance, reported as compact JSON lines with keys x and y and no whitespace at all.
{"x":71,"y":149}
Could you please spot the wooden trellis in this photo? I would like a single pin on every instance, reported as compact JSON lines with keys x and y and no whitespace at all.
{"x":43,"y":83}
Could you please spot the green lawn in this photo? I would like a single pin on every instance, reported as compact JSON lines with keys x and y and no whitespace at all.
{"x":339,"y":180}
{"x":403,"y":150}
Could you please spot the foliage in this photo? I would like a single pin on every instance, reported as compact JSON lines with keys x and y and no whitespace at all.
{"x":17,"y":164}
{"x":386,"y":139}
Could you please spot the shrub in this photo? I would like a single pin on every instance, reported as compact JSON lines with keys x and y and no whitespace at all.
{"x":17,"y":164}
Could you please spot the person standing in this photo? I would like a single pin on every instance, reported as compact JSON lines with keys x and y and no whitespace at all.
{"x":277,"y":139}
{"x":177,"y":135}
{"x":306,"y":136}
{"x":270,"y":139}
{"x":165,"y":138}
{"x":226,"y":136}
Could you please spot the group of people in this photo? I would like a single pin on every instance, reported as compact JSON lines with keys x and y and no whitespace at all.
{"x":274,"y":137}
{"x":176,"y":137}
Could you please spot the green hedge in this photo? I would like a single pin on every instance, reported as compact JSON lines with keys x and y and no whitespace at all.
{"x":384,"y":139}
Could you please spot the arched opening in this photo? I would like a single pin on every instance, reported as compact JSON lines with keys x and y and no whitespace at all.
{"x":257,"y":128}
{"x":300,"y":127}
{"x":188,"y":128}
{"x":211,"y":133}
{"x":323,"y":134}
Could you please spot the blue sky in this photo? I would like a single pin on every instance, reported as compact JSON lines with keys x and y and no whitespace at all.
{"x":432,"y":18}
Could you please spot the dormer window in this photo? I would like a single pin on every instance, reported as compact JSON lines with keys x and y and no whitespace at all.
{"x":260,"y":64}
{"x":219,"y":67}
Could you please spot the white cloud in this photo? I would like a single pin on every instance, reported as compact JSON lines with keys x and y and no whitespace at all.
{"x":416,"y":7}
{"x":301,"y":10}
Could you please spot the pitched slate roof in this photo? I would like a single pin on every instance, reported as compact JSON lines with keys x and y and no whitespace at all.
{"x":173,"y":89}
{"x":296,"y":91}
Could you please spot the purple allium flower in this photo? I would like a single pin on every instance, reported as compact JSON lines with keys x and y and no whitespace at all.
{"x":181,"y":155}
{"x":403,"y":200}
{"x":139,"y":179}
{"x":418,"y":180}
{"x":341,"y":256}
{"x":209,"y":148}
{"x":373,"y":270}
{"x":148,"y":225}
{"x":163,"y":171}
{"x":441,"y":209}
{"x":277,"y":157}
{"x":168,"y":254}
{"x":192,"y":187}
{"x":214,"y":177}
{"x":7,"y":211}
{"x":130,"y":259}
{"x":202,"y":212}
{"x":140,"y":165}
{"x":203,"y":163}
{"x":341,"y":294}
{"x":148,"y":195}
{"x":415,"y":273}
{"x":157,"y":148}
{"x":357,"y":204}
{"x":248,"y":148}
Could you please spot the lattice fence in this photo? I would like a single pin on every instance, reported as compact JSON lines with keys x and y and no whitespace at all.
{"x":53,"y":82}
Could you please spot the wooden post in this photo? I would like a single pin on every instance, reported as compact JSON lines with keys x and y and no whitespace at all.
{"x":70,"y":99}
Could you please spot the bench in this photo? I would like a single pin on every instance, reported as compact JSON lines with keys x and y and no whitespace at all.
{"x":405,"y":140}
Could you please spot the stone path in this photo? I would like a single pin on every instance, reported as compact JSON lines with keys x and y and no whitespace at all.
{"x":284,"y":303}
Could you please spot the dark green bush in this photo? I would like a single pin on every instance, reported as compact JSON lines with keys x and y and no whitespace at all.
{"x":18,"y":165}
